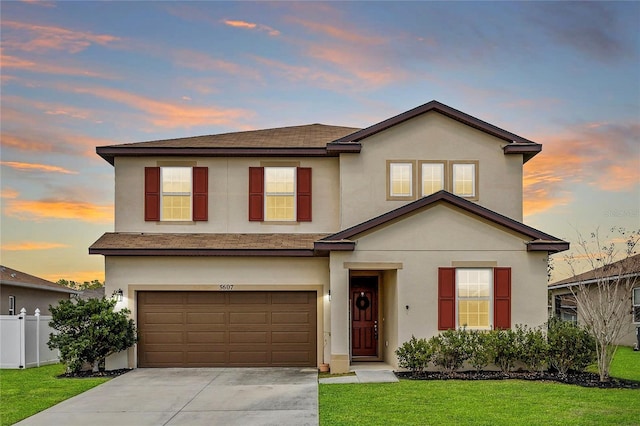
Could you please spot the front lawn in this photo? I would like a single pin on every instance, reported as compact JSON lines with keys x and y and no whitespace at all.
{"x":484,"y":402}
{"x":26,"y":392}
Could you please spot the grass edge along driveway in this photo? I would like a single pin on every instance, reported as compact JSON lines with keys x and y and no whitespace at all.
{"x":26,"y":392}
{"x":503,"y":402}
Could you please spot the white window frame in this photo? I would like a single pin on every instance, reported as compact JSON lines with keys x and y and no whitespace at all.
{"x":443,"y":176}
{"x":489,"y":298}
{"x":12,"y":305}
{"x":636,"y":303}
{"x":293,"y":194}
{"x":163,"y":193}
{"x":474,"y":176}
{"x":391,"y":164}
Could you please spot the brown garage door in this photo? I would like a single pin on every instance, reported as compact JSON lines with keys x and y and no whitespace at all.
{"x":234,"y":329}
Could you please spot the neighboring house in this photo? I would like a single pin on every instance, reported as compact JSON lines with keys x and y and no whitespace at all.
{"x":627,"y":271}
{"x":93,"y":293}
{"x":313,"y":244}
{"x":20,"y":290}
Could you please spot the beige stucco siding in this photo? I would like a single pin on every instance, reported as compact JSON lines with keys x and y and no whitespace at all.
{"x":132,"y":274}
{"x":438,"y":237}
{"x":228,"y":196}
{"x":430,"y":136}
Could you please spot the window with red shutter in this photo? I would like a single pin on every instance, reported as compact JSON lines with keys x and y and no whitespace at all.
{"x":502,"y":298}
{"x":152,"y":193}
{"x":276,"y":190}
{"x":446,"y":298}
{"x":200,"y":193}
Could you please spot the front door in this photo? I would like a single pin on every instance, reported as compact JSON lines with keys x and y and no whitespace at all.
{"x":364,"y":316}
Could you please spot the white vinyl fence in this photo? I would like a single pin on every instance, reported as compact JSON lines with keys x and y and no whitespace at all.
{"x":23,"y":341}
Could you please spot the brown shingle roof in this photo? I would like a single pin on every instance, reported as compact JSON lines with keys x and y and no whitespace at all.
{"x":122,"y":244}
{"x":311,"y":139}
{"x":307,"y":136}
{"x":16,"y":278}
{"x":627,"y":266}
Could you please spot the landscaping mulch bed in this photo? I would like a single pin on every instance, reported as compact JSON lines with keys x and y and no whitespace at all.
{"x":591,"y":380}
{"x":90,"y":374}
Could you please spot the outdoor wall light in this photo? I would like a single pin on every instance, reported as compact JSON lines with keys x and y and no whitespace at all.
{"x":329,"y":295}
{"x":118,"y":295}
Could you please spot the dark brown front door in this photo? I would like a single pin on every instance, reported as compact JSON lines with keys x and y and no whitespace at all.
{"x":364,"y":316}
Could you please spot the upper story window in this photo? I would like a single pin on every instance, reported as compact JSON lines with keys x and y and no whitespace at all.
{"x":280,"y":194}
{"x":464,"y":179}
{"x":636,"y":305}
{"x":400,"y":180}
{"x":176,"y":194}
{"x":432,"y":177}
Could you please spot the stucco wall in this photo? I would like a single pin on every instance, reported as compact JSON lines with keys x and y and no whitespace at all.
{"x":228,"y":196}
{"x":30,"y":299}
{"x":430,"y":136}
{"x":438,"y":237}
{"x":628,"y":333}
{"x":133,"y":274}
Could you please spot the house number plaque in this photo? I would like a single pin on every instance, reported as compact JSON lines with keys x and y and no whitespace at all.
{"x":226,"y":287}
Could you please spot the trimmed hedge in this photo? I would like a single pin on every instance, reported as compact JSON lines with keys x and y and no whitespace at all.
{"x":560,"y":345}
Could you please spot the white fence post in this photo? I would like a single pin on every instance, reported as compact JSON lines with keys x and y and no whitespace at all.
{"x":22,"y":343}
{"x":37,"y":314}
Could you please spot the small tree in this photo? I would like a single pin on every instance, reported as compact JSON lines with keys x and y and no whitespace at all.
{"x":604,"y":294}
{"x":88,"y":331}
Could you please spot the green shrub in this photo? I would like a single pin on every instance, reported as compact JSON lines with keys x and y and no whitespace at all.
{"x":571,"y":346}
{"x":534,"y":348}
{"x":88,"y":331}
{"x":479,"y":349}
{"x":504,"y":347}
{"x":450,"y":349}
{"x":414,"y":355}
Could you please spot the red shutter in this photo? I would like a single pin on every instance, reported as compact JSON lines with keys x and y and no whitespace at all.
{"x":152,"y":193}
{"x":502,"y":298}
{"x":256,"y":193}
{"x":200,"y":193}
{"x":446,"y":298}
{"x":303,"y":196}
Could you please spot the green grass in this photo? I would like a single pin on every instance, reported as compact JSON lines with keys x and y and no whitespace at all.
{"x":626,"y":364}
{"x":508,"y":402}
{"x":24,"y":393}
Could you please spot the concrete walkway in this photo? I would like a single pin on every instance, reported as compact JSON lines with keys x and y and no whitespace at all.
{"x":194,"y":396}
{"x":363,"y":376}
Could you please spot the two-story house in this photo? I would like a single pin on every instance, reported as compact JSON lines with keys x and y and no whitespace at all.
{"x":313,"y":244}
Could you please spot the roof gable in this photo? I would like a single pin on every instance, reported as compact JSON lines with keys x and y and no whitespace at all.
{"x":16,"y":278}
{"x":516,"y":144}
{"x":540,"y":241}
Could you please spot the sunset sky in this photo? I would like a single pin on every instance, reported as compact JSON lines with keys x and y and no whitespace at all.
{"x":76,"y":75}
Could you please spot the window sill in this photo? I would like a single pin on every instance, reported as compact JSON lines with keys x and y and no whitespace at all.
{"x":175,"y":222}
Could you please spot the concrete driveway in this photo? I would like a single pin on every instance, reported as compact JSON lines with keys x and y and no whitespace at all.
{"x":193,"y":396}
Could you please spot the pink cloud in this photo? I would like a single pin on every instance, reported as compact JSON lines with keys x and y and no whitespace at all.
{"x":602,"y":155}
{"x":32,"y":245}
{"x":37,"y":167}
{"x":47,"y":209}
{"x":45,"y":38}
{"x":251,"y":26}
{"x":9,"y":62}
{"x":168,"y":114}
{"x":203,"y":62}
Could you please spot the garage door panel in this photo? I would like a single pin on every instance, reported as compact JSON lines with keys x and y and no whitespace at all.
{"x":258,"y":318}
{"x":291,"y":337}
{"x":206,"y":337}
{"x":163,"y":337}
{"x":206,"y":318}
{"x":217,"y":329}
{"x":205,"y":298}
{"x":245,"y":298}
{"x":248,"y":336}
{"x":290,"y":318}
